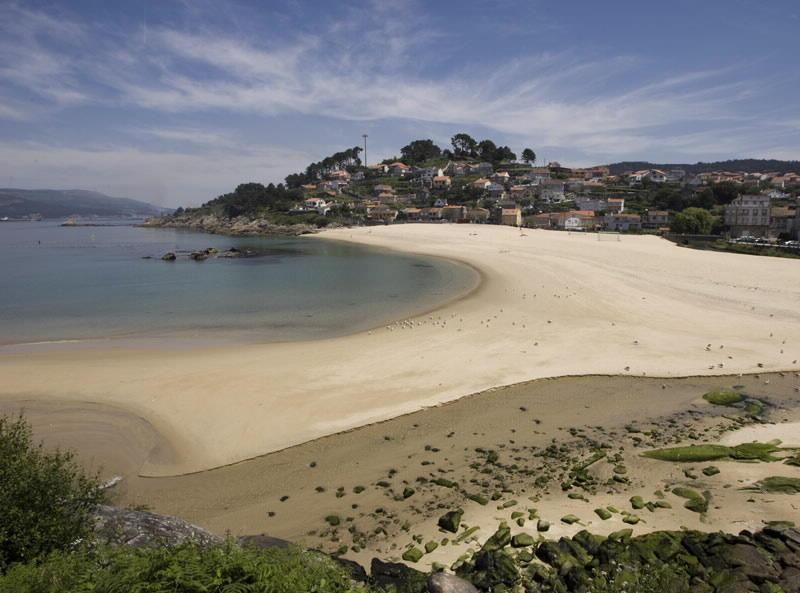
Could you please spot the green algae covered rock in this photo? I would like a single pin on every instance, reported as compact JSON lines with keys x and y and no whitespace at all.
{"x":451,"y":520}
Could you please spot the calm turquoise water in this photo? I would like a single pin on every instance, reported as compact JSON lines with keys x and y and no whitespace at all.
{"x":63,"y":283}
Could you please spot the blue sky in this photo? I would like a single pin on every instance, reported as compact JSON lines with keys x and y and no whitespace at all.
{"x":176,"y":102}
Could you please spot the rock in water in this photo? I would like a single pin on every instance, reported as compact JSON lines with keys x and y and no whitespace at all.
{"x":169,"y":256}
{"x":440,"y":582}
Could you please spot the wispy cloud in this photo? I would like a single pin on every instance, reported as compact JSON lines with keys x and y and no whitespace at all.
{"x":31,"y":46}
{"x":373,"y":62}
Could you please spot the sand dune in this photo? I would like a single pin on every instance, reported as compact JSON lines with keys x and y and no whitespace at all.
{"x":550,"y":304}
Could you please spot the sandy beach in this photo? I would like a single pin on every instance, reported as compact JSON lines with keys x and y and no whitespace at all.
{"x":550,"y":304}
{"x":389,"y":482}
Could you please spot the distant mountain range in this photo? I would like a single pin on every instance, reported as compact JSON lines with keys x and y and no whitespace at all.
{"x":745,"y":165}
{"x":60,"y":203}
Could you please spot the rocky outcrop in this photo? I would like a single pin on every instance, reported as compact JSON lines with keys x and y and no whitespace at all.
{"x":240,"y":226}
{"x":141,"y":528}
{"x":677,"y":561}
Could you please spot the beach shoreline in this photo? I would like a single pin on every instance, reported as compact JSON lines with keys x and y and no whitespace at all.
{"x":549,"y":305}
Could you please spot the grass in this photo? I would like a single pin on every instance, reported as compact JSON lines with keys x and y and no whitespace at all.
{"x":723,"y":397}
{"x":699,"y":453}
{"x":188,"y":567}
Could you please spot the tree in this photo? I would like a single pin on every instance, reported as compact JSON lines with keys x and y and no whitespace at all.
{"x":693,"y":221}
{"x":487,"y":150}
{"x":725,"y":192}
{"x":464,"y":145}
{"x":46,"y":500}
{"x":420,"y":151}
{"x":529,"y":156}
{"x":504,"y":153}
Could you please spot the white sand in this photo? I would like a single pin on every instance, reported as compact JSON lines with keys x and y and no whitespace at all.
{"x":551,"y":304}
{"x":788,"y":433}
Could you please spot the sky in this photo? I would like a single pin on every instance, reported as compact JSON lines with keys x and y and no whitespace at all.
{"x":177,"y":101}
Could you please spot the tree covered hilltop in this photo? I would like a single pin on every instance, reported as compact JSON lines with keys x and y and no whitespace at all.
{"x":480,"y":181}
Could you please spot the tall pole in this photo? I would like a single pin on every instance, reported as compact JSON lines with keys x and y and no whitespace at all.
{"x":364,"y":136}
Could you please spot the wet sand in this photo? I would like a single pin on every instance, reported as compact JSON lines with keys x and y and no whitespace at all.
{"x":576,"y":414}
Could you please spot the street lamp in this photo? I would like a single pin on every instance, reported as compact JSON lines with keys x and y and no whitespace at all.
{"x":364,"y":136}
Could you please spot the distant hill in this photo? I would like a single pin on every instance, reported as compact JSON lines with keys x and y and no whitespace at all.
{"x":60,"y":203}
{"x":745,"y":165}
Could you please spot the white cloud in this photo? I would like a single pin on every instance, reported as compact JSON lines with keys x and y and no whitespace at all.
{"x":365,"y":67}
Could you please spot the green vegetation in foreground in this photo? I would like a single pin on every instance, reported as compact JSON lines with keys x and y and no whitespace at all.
{"x":224,"y":568}
{"x":45,"y":498}
{"x":723,"y":397}
{"x":779,"y":484}
{"x":698,"y":453}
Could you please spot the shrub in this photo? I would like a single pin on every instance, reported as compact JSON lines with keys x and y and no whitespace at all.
{"x":223,"y":568}
{"x":46,"y":500}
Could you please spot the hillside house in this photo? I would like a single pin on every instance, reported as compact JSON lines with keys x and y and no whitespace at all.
{"x":412,"y":214}
{"x":478,"y":215}
{"x":382,"y":189}
{"x":398,"y":169}
{"x":483,"y":169}
{"x":318,"y":205}
{"x":481,"y":183}
{"x":442,"y":182}
{"x":552,"y":191}
{"x":431,"y":214}
{"x":656,"y":219}
{"x":538,"y":174}
{"x":496,"y":191}
{"x":455,"y":169}
{"x":454,"y":213}
{"x":501,"y":177}
{"x":521,"y":192}
{"x":381,"y":213}
{"x":379,"y":169}
{"x":616,"y":205}
{"x":676,"y":176}
{"x":339,"y":175}
{"x":622,"y":222}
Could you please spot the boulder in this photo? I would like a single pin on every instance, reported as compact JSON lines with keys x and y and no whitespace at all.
{"x":169,"y":256}
{"x":500,"y":539}
{"x":522,"y":540}
{"x":451,"y":520}
{"x":394,"y":574}
{"x":441,"y":582}
{"x":142,"y":528}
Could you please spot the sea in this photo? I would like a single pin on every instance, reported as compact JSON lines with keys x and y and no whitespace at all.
{"x":63,"y":285}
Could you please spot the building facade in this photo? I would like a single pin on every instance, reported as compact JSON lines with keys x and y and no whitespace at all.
{"x":748,"y":215}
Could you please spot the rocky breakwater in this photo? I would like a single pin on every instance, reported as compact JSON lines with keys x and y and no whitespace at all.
{"x":239,"y":226}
